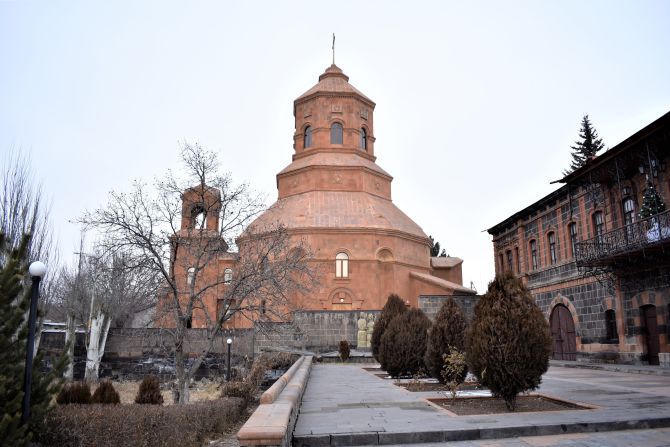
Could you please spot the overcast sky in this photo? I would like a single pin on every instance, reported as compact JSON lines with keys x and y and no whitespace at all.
{"x":477,"y":102}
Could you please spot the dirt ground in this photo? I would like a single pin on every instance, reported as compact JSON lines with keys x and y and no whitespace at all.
{"x":201,"y":390}
{"x":489,"y":405}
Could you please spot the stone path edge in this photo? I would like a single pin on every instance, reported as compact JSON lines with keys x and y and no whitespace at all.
{"x":383,"y":438}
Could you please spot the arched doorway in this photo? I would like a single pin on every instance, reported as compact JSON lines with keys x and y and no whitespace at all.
{"x":650,"y":332}
{"x":563,"y":334}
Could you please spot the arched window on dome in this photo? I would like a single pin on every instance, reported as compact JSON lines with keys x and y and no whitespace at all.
{"x":364,"y":139}
{"x":342,"y":265}
{"x":308,"y":137}
{"x":336,"y":133}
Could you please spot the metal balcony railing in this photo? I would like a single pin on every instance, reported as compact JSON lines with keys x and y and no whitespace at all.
{"x":647,"y":233}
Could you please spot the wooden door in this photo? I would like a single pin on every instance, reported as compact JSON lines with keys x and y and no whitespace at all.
{"x":650,"y":332}
{"x":563,"y":334}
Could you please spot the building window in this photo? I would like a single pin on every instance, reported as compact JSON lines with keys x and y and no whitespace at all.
{"x":308,"y":137}
{"x":598,"y":225}
{"x":628,"y":211}
{"x":227,"y":276}
{"x":190,"y":276}
{"x":509,"y":260}
{"x":336,"y":133}
{"x":533,"y":254}
{"x":342,"y":265}
{"x":551,"y":239}
{"x":262,"y":307}
{"x":572,"y":230}
{"x":610,"y":325}
{"x":502,"y":262}
{"x":364,"y":140}
{"x":518,"y":259}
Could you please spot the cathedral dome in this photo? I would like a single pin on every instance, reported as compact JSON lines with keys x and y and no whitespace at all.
{"x":333,"y":81}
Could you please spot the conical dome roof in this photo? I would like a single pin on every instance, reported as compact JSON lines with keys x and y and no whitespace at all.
{"x":333,"y":81}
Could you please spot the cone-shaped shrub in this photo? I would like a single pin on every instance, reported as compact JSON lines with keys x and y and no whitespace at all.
{"x":149,"y":392}
{"x":394,"y":306}
{"x":404,"y":343}
{"x":344,"y":350}
{"x":448,"y":330}
{"x":105,"y":394}
{"x":74,"y":393}
{"x":509,"y":341}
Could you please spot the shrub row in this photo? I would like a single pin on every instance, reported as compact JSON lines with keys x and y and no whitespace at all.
{"x":139,"y":425}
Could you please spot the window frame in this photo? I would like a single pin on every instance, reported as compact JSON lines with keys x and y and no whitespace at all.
{"x":307,"y":138}
{"x":533,"y":254}
{"x":337,"y":130}
{"x":342,"y":265}
{"x":611,"y":333}
{"x":510,"y":260}
{"x":227,"y":275}
{"x":573,"y":237}
{"x":551,"y":243}
{"x":363,"y":141}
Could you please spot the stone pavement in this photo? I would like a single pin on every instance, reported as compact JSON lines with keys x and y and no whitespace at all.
{"x":346,"y":405}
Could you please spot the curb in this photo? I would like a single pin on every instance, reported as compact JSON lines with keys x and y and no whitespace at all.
{"x":387,"y":438}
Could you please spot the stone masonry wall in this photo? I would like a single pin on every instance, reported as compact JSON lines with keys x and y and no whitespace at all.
{"x":430,"y":305}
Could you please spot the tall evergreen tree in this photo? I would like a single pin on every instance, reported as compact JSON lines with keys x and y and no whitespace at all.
{"x":448,"y":331}
{"x":14,"y":302}
{"x":394,"y":306}
{"x":434,"y":247}
{"x":586,"y":148}
{"x":652,"y":203}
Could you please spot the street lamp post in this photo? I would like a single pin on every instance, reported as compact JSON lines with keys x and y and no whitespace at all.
{"x":37,"y":270}
{"x":230,"y":342}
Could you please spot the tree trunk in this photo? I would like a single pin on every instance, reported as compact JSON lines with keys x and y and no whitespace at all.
{"x":70,"y":340}
{"x":96,"y":345}
{"x":182,"y":394}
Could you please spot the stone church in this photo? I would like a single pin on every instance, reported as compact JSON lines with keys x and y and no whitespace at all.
{"x":334,"y":197}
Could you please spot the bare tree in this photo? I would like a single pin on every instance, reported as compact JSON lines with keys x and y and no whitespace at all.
{"x":186,"y":229}
{"x":24,"y":210}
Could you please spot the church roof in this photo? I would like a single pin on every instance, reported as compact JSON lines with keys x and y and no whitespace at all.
{"x":337,"y":210}
{"x":333,"y":159}
{"x":333,"y":80}
{"x":442,"y":283}
{"x":445,"y":261}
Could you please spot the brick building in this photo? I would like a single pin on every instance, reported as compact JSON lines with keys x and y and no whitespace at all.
{"x":599,"y":271}
{"x":334,"y":197}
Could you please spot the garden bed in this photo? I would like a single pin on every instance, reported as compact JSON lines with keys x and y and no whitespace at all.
{"x":466,"y":406}
{"x":421,"y":387}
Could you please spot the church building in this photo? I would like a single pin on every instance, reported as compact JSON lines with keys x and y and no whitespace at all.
{"x":334,"y":198}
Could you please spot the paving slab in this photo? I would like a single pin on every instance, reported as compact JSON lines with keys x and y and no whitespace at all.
{"x":347,"y":405}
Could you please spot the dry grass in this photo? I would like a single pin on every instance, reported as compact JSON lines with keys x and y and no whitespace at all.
{"x":200,"y":391}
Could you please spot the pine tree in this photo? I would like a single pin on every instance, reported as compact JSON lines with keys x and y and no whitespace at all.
{"x":434,"y":247}
{"x":404,"y":343}
{"x":652,"y":203}
{"x":587,"y":148}
{"x":394,"y":306}
{"x":448,"y":331}
{"x":14,"y":302}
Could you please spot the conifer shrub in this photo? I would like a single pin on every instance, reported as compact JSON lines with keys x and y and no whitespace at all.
{"x":344,"y":350}
{"x":74,"y":393}
{"x":448,"y":329}
{"x":394,"y":306}
{"x":404,"y":343}
{"x":243,"y":389}
{"x":105,"y":394}
{"x":149,"y":391}
{"x":509,"y":341}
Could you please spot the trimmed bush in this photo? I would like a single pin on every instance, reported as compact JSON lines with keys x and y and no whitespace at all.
{"x":394,"y":306}
{"x":105,"y":394}
{"x":448,"y":329}
{"x":509,"y":341}
{"x":140,"y":425}
{"x":74,"y":393}
{"x":242,"y":389}
{"x":344,"y":350}
{"x":150,"y":391}
{"x":404,"y":344}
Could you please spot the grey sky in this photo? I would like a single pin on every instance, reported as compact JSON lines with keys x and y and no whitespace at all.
{"x":477,"y":102}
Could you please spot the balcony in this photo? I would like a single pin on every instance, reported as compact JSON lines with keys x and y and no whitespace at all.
{"x":648,"y":235}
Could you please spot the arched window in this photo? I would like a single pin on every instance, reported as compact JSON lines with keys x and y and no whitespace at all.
{"x":190,"y":276}
{"x":364,"y":139}
{"x":533,"y":254}
{"x":198,"y":217}
{"x":308,"y":137}
{"x":551,"y":240}
{"x":610,"y":325}
{"x":598,"y":226}
{"x":336,"y":133}
{"x":510,"y":262}
{"x":502,"y":262}
{"x":227,"y":276}
{"x":628,"y":211}
{"x":518,"y":259}
{"x":572,"y":231}
{"x":342,"y":265}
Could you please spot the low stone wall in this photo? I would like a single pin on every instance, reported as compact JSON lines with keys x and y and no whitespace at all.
{"x":430,"y":305}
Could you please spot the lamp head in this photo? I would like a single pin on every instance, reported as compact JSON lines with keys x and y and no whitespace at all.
{"x":229,"y":341}
{"x":37,"y":268}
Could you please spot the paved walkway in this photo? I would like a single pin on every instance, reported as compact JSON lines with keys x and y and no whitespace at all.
{"x":346,"y":405}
